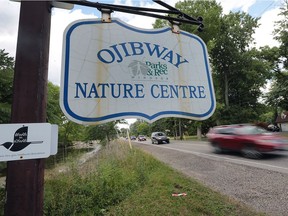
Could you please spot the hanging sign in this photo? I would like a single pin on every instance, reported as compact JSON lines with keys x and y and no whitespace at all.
{"x":114,"y":71}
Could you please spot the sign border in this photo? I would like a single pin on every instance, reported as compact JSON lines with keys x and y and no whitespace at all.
{"x":90,"y":120}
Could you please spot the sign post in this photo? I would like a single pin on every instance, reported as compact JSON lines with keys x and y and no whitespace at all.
{"x":25,"y":179}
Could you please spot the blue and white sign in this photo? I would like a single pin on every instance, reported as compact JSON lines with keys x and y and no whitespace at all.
{"x":113,"y":71}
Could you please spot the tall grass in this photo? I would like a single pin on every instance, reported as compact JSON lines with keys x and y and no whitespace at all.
{"x":102,"y":182}
{"x":124,"y":181}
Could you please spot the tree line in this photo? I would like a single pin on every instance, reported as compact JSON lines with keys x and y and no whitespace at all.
{"x":240,"y":71}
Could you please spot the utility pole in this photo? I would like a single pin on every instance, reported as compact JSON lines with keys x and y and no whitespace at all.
{"x":25,"y":179}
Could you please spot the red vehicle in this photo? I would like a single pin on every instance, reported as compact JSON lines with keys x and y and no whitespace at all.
{"x":252,"y":141}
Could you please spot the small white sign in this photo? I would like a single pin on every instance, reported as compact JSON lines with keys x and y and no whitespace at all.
{"x":114,"y":70}
{"x":27,"y":141}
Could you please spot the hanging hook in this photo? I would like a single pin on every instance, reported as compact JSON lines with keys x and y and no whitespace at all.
{"x":106,"y":15}
{"x":175,"y":27}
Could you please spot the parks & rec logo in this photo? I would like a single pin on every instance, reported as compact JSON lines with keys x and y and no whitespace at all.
{"x":148,"y":70}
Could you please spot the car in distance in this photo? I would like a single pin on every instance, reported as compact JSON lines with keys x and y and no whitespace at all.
{"x":141,"y":138}
{"x":252,"y":141}
{"x":133,"y":138}
{"x":159,"y":137}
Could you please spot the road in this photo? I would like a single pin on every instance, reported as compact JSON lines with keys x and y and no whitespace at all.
{"x":261,"y":184}
{"x":277,"y":161}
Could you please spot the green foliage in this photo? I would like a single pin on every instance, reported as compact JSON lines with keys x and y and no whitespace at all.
{"x":268,"y":117}
{"x":6,"y":86}
{"x":281,"y":33}
{"x":229,"y":54}
{"x":144,"y":129}
{"x":210,"y":11}
{"x":119,"y":172}
{"x":70,"y":131}
{"x":164,"y":125}
{"x":140,"y":128}
{"x":173,"y":127}
{"x":2,"y":199}
{"x":54,"y":113}
{"x":278,"y":95}
{"x":271,"y":58}
{"x":103,"y":132}
{"x":124,"y":181}
{"x":6,"y":62}
{"x":239,"y":72}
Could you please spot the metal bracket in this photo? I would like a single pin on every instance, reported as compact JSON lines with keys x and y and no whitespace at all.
{"x":106,"y":15}
{"x":150,"y":12}
{"x":62,"y":5}
{"x":175,"y":27}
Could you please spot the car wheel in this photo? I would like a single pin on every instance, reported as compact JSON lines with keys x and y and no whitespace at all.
{"x":216,"y":148}
{"x":249,"y":151}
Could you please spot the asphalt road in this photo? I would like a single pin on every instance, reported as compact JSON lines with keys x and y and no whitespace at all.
{"x":261,"y":184}
{"x":276,"y":161}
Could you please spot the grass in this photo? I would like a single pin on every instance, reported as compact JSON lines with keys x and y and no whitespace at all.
{"x":124,"y":181}
{"x":195,"y":138}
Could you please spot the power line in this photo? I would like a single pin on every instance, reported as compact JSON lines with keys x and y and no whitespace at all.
{"x":270,"y":5}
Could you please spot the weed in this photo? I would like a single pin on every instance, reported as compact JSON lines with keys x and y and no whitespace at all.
{"x":124,"y":181}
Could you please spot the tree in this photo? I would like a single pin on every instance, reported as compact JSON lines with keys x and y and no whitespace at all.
{"x":164,"y":125}
{"x":140,"y":127}
{"x":228,"y":53}
{"x":281,"y":33}
{"x":209,"y":10}
{"x":102,"y":132}
{"x":54,"y":113}
{"x":278,"y":95}
{"x":68,"y":131}
{"x":143,"y":129}
{"x":6,"y":85}
{"x":239,"y":71}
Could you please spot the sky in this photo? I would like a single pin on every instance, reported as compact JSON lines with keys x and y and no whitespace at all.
{"x":9,"y":18}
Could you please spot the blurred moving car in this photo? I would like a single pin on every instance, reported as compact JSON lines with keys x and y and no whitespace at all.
{"x":159,"y":137}
{"x":273,"y":128}
{"x":133,"y":138}
{"x":141,"y":138}
{"x":252,"y":141}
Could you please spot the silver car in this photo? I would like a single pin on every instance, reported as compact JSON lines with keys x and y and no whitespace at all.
{"x":159,"y":137}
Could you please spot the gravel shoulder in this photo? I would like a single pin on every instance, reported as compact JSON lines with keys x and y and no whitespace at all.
{"x":264,"y":190}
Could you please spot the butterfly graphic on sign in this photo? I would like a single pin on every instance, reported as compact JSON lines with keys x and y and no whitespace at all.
{"x":20,"y":140}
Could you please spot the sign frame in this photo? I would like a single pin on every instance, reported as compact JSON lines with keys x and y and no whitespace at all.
{"x":72,"y":115}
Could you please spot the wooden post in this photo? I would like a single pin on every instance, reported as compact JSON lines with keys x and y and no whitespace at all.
{"x":25,"y":179}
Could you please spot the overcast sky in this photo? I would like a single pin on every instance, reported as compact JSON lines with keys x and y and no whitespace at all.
{"x":9,"y":17}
